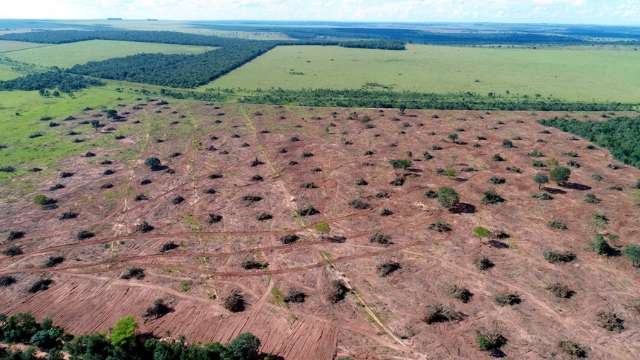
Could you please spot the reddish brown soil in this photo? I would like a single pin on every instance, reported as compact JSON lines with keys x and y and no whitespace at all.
{"x":383,"y":316}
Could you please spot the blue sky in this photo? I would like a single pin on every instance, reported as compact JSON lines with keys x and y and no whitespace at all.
{"x":550,"y":11}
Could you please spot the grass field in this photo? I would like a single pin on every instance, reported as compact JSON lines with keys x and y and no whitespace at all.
{"x":20,"y":114}
{"x":7,"y":73}
{"x":566,"y":73}
{"x":67,"y":55}
{"x":7,"y":46}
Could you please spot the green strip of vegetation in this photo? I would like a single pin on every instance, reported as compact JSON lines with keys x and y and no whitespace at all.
{"x":415,"y":100}
{"x":121,"y":343}
{"x":621,"y":136}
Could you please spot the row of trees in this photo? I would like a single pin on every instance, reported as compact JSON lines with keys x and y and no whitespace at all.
{"x":55,"y":79}
{"x":620,"y":135}
{"x":183,"y":71}
{"x":414,"y":100}
{"x":121,"y":343}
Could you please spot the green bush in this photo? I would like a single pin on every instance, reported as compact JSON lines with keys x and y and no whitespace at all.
{"x":448,"y":197}
{"x":401,"y":164}
{"x":601,"y":246}
{"x":491,"y":197}
{"x":560,"y":174}
{"x":540,"y":179}
{"x":481,"y":232}
{"x":632,"y":252}
{"x":490,"y":341}
{"x":123,"y":332}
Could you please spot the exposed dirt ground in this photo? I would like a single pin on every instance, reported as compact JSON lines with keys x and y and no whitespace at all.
{"x":381,"y":317}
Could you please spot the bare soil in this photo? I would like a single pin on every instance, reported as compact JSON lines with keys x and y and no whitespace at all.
{"x":381,"y":317}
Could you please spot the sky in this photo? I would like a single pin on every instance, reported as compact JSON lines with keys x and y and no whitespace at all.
{"x":613,"y":12}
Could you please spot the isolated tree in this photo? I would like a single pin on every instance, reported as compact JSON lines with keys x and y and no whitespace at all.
{"x":244,"y":347}
{"x":540,"y":179}
{"x":560,"y":175}
{"x":448,"y":197}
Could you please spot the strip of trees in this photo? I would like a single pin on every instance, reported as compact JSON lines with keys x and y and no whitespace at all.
{"x":620,"y":135}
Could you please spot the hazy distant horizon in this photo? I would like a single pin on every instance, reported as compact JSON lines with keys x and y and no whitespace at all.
{"x":569,"y":12}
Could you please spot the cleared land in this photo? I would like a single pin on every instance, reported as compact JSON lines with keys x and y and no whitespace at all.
{"x":566,"y":73}
{"x":237,"y":179}
{"x":67,"y":55}
{"x":6,"y":46}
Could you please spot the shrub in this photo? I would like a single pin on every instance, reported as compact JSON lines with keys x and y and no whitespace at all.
{"x":235,"y":302}
{"x":507,"y":144}
{"x":144,"y":227}
{"x":431,"y":194}
{"x":43,"y":200}
{"x":439,"y":313}
{"x":359,"y":204}
{"x":498,"y":157}
{"x":338,"y":291}
{"x":560,"y":175}
{"x":572,"y":349}
{"x":214,"y":218}
{"x":536,"y":154}
{"x":601,"y":246}
{"x":490,"y":340}
{"x":555,"y":257}
{"x":491,"y":197}
{"x":632,"y":252}
{"x":295,"y":296}
{"x":15,"y":235}
{"x":481,"y":232}
{"x":133,"y":273}
{"x":251,"y":264}
{"x":403,"y":164}
{"x":484,"y":263}
{"x":556,"y":224}
{"x":497,"y":180}
{"x":264,"y":216}
{"x":40,"y":285}
{"x":507,"y":299}
{"x":560,"y":290}
{"x":7,"y":280}
{"x":289,"y":239}
{"x":153,"y":163}
{"x":540,"y":179}
{"x":53,"y":261}
{"x":13,"y":250}
{"x":381,"y":239}
{"x":440,"y":226}
{"x":591,"y":199}
{"x":448,"y":197}
{"x":387,"y":268}
{"x":610,"y":321}
{"x":168,"y":246}
{"x":461,"y":293}
{"x":123,"y":332}
{"x":307,"y":211}
{"x":85,"y":234}
{"x":544,"y":196}
{"x":600,"y":221}
{"x":157,"y":310}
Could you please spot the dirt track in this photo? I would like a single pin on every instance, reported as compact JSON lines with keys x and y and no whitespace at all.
{"x":382,"y":318}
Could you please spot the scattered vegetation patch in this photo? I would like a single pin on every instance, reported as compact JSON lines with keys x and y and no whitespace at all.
{"x":556,"y":257}
{"x":439,"y":313}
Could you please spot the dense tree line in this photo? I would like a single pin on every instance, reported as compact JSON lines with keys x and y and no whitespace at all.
{"x":374,"y":44}
{"x":165,"y":37}
{"x":122,"y":343}
{"x":621,"y":135}
{"x":392,"y":99}
{"x":507,"y":37}
{"x":184,"y":71}
{"x":54,"y":80}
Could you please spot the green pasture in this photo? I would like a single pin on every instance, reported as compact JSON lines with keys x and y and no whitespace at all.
{"x":601,"y":74}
